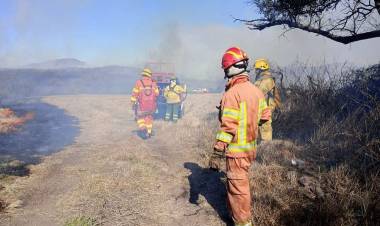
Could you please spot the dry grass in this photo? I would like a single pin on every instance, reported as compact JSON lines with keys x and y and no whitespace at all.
{"x":331,"y":126}
{"x":111,"y":175}
{"x":324,"y":171}
{"x":335,"y":122}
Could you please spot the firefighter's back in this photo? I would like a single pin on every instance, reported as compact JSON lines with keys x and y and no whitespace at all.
{"x":248,"y":96}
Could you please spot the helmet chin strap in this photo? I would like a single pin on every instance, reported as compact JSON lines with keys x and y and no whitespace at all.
{"x":236,"y":69}
{"x":229,"y":74}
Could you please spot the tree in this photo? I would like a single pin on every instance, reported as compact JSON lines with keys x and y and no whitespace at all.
{"x":344,"y":21}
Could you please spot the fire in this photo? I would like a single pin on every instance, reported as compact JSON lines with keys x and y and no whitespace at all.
{"x":9,"y":121}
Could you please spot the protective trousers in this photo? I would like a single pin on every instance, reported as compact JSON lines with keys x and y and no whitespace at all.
{"x":238,"y":191}
{"x":172,"y":111}
{"x":266,"y":131}
{"x":145,"y":123}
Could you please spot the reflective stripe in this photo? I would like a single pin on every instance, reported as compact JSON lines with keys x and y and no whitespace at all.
{"x":244,"y":224}
{"x":223,"y":136}
{"x":262,"y":106}
{"x":242,"y":131}
{"x":237,"y":148}
{"x":236,"y":55}
{"x":230,"y":113}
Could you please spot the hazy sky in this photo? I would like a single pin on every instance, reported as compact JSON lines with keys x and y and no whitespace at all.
{"x":192,"y":34}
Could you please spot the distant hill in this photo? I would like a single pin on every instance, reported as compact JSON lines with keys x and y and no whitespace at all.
{"x":72,"y":76}
{"x":32,"y":82}
{"x":57,"y":64}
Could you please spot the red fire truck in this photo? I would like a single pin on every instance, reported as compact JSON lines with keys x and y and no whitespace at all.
{"x":161,"y":73}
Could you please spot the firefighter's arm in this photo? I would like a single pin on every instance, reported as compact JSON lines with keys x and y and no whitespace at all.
{"x":166,"y":91}
{"x":180,"y":89}
{"x":229,"y":122}
{"x":266,"y":85}
{"x":156,"y":90}
{"x":265,"y":113}
{"x":135,"y":94}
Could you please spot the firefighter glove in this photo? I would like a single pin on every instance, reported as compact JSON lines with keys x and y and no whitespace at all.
{"x":216,"y":159}
{"x":134,"y":106}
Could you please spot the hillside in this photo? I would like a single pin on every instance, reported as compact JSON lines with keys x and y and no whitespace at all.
{"x":23,"y":83}
{"x":57,"y":64}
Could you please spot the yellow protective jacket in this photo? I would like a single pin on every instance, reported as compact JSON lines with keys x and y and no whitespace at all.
{"x":266,"y":84}
{"x":173,"y":94}
{"x":242,"y":107}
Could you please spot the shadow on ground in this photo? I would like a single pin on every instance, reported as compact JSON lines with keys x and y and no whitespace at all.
{"x":209,"y":184}
{"x":50,"y":131}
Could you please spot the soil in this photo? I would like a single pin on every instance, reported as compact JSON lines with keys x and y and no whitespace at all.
{"x":112,"y":175}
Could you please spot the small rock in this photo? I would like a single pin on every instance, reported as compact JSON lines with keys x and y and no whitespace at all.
{"x":319,"y":191}
{"x":305,"y":181}
{"x":312,"y":186}
{"x":298,"y":163}
{"x":16,"y":204}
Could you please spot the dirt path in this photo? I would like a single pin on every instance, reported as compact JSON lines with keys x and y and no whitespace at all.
{"x":111,"y":175}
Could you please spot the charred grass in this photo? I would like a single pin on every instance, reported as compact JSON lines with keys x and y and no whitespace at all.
{"x":323,"y":169}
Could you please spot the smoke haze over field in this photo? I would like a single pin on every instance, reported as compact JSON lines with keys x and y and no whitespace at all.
{"x":131,"y":33}
{"x":198,"y":50}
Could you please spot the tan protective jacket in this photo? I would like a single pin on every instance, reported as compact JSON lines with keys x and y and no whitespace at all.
{"x":242,"y":107}
{"x":266,"y":84}
{"x":173,"y":94}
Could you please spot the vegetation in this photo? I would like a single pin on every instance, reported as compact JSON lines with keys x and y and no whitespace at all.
{"x":81,"y":221}
{"x":323,"y":166}
{"x":343,"y":21}
{"x":331,"y":176}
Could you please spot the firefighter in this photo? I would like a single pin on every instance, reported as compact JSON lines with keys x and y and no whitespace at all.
{"x":173,"y":94}
{"x":144,"y":95}
{"x":265,"y":82}
{"x":241,"y":110}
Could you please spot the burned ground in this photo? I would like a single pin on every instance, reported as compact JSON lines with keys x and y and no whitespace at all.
{"x":109,"y":174}
{"x":323,"y":170}
{"x":49,"y":131}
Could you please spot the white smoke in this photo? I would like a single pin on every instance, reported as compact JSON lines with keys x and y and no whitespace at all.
{"x":197,"y":51}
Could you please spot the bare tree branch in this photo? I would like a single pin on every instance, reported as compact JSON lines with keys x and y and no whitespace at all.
{"x":344,"y":21}
{"x":377,"y":4}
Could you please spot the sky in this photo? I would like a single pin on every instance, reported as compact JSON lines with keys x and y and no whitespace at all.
{"x":191,"y":34}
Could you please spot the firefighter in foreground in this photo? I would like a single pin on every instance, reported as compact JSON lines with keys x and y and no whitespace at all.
{"x":144,"y":95}
{"x":173,"y":94}
{"x":242,"y":109}
{"x":266,"y":83}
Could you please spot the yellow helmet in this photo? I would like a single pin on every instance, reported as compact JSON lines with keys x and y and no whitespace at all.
{"x":262,"y":64}
{"x":146,"y":72}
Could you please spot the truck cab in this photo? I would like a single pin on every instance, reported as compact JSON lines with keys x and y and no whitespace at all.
{"x":161,"y":73}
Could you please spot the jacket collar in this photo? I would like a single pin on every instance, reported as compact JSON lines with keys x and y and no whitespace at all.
{"x":237,"y":80}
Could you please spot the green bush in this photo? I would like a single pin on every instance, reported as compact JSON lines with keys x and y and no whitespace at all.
{"x":81,"y":221}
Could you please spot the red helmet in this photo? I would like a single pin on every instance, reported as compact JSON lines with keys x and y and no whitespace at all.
{"x":232,"y":56}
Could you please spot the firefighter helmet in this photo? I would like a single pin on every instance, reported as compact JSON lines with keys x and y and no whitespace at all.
{"x":146,"y":72}
{"x":232,"y":56}
{"x":262,"y":64}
